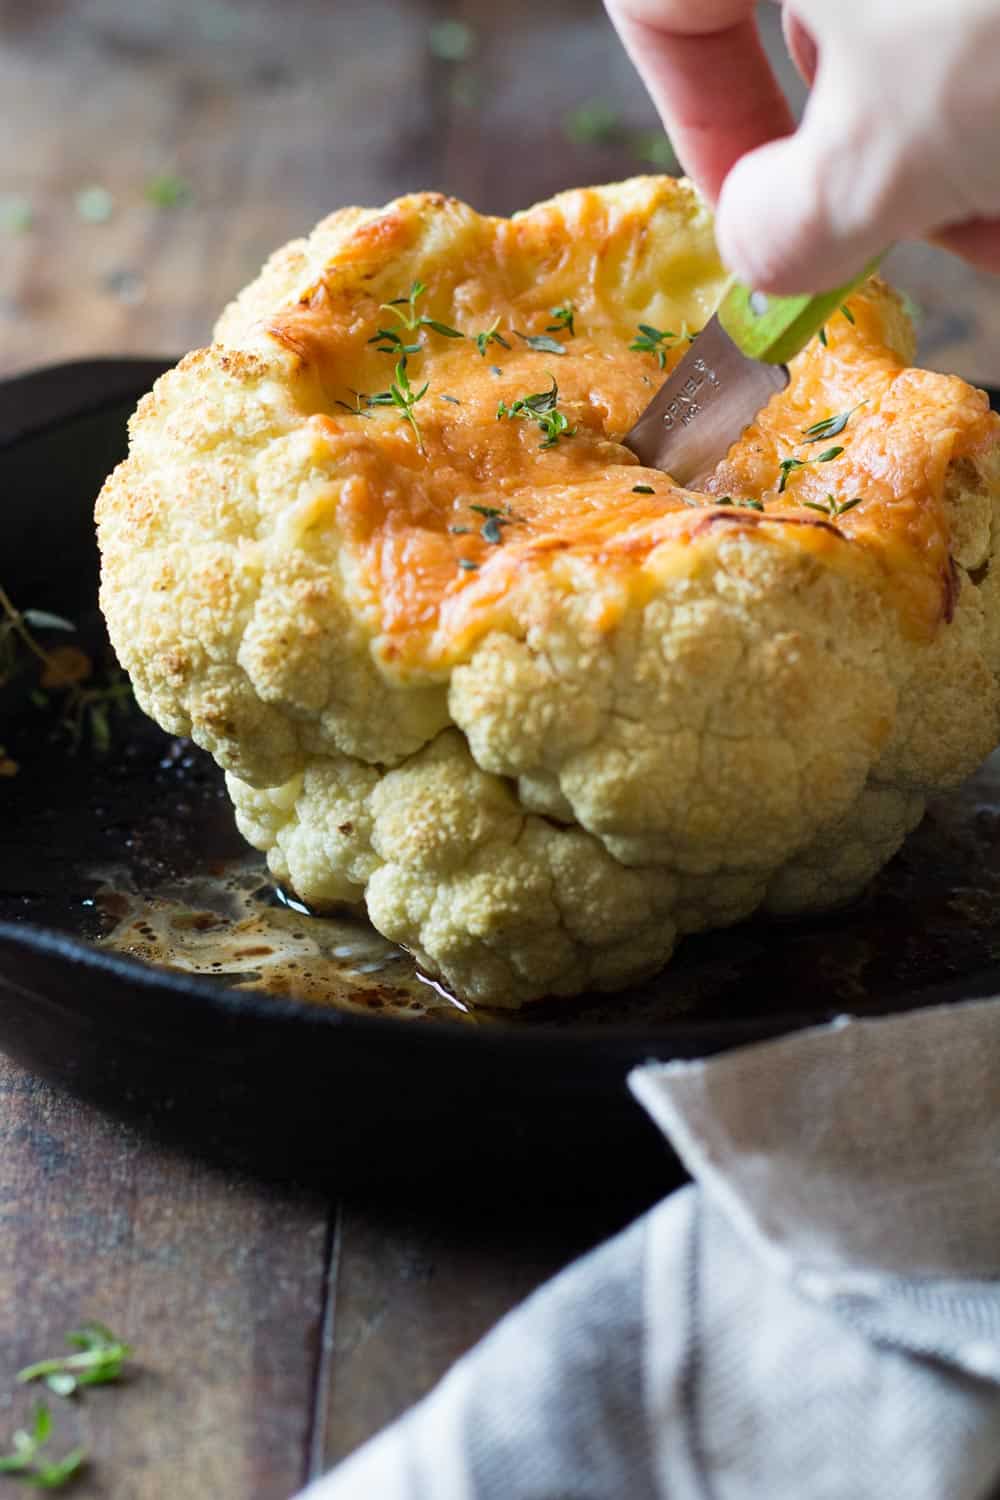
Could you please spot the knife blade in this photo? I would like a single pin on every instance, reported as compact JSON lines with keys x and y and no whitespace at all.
{"x":733,"y":368}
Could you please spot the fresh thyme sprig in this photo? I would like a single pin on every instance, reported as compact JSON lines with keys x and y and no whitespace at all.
{"x":402,"y":395}
{"x":490,"y":336}
{"x":28,"y":1461}
{"x":789,"y":465}
{"x":542,"y":408}
{"x":744,"y":504}
{"x":563,"y":320}
{"x":98,"y":1360}
{"x":833,"y":507}
{"x":390,"y":341}
{"x":650,"y":340}
{"x":831,"y":427}
{"x":358,"y":409}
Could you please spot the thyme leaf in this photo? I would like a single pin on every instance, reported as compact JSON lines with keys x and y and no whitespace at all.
{"x":789,"y":465}
{"x":542,"y":343}
{"x":467,"y":565}
{"x":491,"y":336}
{"x":831,"y":427}
{"x":402,"y":396}
{"x":744,"y":504}
{"x":833,"y":507}
{"x":412,"y":320}
{"x":650,"y":340}
{"x":643,"y":489}
{"x":28,"y":1459}
{"x":563,"y":320}
{"x":360,"y":401}
{"x":542,"y":407}
{"x":98,"y":1361}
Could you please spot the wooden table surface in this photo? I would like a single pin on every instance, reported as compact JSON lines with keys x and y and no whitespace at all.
{"x":275,"y":1330}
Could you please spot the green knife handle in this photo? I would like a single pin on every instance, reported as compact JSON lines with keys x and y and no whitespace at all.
{"x":773,"y":329}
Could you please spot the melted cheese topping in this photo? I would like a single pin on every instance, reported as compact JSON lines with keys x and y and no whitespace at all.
{"x":402,"y":514}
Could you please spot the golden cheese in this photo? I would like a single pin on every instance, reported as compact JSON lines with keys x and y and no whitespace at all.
{"x":404,"y":504}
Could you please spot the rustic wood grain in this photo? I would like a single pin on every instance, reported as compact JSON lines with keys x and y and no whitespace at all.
{"x":216,"y":1280}
{"x":415,"y":1290}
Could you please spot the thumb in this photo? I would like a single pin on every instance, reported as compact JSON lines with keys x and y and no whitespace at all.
{"x":807,"y":212}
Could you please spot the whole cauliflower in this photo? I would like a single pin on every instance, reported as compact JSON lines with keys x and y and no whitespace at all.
{"x":380,"y":550}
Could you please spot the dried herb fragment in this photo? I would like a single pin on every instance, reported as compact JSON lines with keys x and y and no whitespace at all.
{"x":467,"y":565}
{"x":643,"y":489}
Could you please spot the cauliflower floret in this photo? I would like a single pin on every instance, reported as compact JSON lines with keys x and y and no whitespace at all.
{"x":537,"y":708}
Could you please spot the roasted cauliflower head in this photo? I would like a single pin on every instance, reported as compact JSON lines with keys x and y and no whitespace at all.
{"x":380,"y":550}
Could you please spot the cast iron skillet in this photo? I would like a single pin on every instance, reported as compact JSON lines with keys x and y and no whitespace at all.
{"x":298,"y":1089}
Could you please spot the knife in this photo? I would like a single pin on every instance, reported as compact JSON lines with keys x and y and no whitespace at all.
{"x":733,"y":368}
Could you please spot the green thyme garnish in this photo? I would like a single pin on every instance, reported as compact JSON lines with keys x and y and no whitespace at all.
{"x":789,"y":465}
{"x":460,"y":530}
{"x":360,"y":402}
{"x":402,"y":395}
{"x":467,"y":565}
{"x":413,"y":320}
{"x":389,"y":341}
{"x":542,"y":408}
{"x":831,"y":427}
{"x":563,"y":319}
{"x":542,"y":343}
{"x":167,"y":190}
{"x":643,"y":489}
{"x":650,"y":340}
{"x":28,"y":1460}
{"x":98,"y":1360}
{"x":822,"y":337}
{"x":744,"y":504}
{"x":453,"y":399}
{"x":833,"y":507}
{"x":491,"y":336}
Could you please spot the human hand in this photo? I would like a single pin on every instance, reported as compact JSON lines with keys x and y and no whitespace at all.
{"x":900,"y":137}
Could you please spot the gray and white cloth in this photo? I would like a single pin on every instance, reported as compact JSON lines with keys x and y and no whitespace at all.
{"x":816,"y":1317}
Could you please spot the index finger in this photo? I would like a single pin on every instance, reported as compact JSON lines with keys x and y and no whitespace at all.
{"x":708,"y":75}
